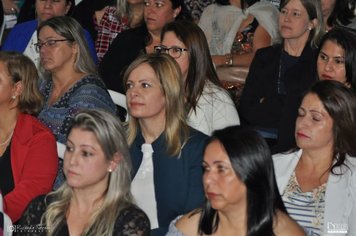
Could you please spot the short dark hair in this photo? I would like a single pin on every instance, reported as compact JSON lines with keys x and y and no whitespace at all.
{"x":342,"y":13}
{"x":345,"y":38}
{"x":252,"y":162}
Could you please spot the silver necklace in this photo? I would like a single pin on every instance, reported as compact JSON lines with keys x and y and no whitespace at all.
{"x":7,"y":140}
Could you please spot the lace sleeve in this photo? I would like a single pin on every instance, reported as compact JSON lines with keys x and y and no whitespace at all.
{"x":29,"y":224}
{"x":132,"y":222}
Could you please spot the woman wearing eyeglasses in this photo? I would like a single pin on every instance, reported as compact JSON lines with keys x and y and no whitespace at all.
{"x":23,"y":37}
{"x":128,"y":45}
{"x":70,"y":81}
{"x":209,"y":106}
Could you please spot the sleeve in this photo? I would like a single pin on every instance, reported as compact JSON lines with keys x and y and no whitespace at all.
{"x":91,"y":46}
{"x":132,"y":221}
{"x":36,"y":176}
{"x":259,"y":96}
{"x":205,"y":23}
{"x":30,"y":222}
{"x":224,"y":109}
{"x":195,"y":196}
{"x":88,"y":96}
{"x":11,"y":42}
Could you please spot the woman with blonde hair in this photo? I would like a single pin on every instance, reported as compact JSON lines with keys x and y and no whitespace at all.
{"x":24,"y":141}
{"x":166,"y":153}
{"x":96,"y":198}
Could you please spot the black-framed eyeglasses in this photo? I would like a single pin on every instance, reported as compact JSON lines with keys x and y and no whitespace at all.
{"x":174,"y":52}
{"x":48,"y":43}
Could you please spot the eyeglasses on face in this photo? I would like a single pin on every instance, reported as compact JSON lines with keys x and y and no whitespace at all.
{"x":49,"y":43}
{"x":174,"y":52}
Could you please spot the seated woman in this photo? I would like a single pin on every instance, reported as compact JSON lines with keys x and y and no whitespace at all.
{"x":337,"y":13}
{"x":337,"y":56}
{"x":115,"y":19}
{"x":166,"y":153}
{"x":317,"y":181}
{"x":96,"y":198}
{"x":128,"y":45}
{"x":241,"y":192}
{"x":209,"y":106}
{"x":235,"y":30}
{"x":70,"y":81}
{"x":23,"y":37}
{"x":28,"y":153}
{"x":280,"y":74}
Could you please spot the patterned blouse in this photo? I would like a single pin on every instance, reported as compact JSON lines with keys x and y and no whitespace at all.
{"x":130,"y":221}
{"x":109,"y":27}
{"x":87,"y":93}
{"x":307,"y":208}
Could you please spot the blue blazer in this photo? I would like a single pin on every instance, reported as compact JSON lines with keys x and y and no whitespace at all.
{"x":21,"y":34}
{"x":177,"y":179}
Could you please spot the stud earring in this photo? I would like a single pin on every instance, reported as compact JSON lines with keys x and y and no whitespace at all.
{"x":110,"y":170}
{"x":309,"y":28}
{"x":13,"y":97}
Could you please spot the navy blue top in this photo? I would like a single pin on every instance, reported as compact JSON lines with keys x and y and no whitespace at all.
{"x":177,"y":179}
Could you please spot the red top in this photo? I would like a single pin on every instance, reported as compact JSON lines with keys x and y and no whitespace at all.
{"x":34,"y":163}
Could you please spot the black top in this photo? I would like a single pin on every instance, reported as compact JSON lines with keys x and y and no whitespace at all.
{"x":6,"y":179}
{"x":124,"y":49}
{"x":130,"y":221}
{"x":262,"y":105}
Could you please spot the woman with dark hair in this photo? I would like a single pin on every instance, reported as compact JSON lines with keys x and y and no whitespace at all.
{"x":279,"y":74}
{"x":241,"y":193}
{"x":128,"y":45}
{"x":23,"y":37}
{"x":318,"y":181}
{"x":208,"y":105}
{"x":336,"y":12}
{"x":337,"y":56}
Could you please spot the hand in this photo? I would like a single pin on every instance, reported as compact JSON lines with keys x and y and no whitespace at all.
{"x":10,"y":7}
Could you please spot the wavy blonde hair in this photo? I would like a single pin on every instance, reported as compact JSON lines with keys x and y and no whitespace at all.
{"x":170,"y":77}
{"x":111,"y":137}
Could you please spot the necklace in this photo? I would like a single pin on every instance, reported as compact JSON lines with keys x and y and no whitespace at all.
{"x":7,"y":140}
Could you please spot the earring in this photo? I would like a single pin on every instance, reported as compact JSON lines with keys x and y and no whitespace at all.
{"x":13,"y":97}
{"x":110,"y":170}
{"x":309,"y":28}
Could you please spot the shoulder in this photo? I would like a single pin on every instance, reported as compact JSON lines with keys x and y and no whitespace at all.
{"x":286,"y":157}
{"x":285,"y":226}
{"x":34,"y":211}
{"x":28,"y":26}
{"x":188,"y":223}
{"x":196,"y":136}
{"x":32,"y":126}
{"x":132,"y":218}
{"x":269,"y":51}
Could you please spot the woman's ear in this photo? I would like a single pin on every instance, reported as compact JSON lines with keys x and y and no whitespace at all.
{"x":18,"y":88}
{"x":114,"y":162}
{"x":176,"y":12}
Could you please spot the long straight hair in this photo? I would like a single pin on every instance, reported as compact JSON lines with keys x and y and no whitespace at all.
{"x":111,"y":137}
{"x":201,"y":68}
{"x":251,"y":160}
{"x":169,"y":75}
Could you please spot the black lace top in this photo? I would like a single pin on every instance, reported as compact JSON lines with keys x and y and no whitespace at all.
{"x":131,"y":221}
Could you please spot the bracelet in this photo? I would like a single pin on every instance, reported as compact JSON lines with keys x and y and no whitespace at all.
{"x":228,"y":59}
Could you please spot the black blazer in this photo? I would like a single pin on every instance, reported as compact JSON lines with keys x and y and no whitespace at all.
{"x":125,"y":48}
{"x":262,"y":106}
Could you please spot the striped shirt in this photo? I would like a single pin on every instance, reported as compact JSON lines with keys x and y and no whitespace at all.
{"x":307,"y":208}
